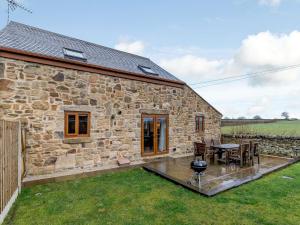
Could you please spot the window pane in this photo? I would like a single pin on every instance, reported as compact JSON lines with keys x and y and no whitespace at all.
{"x":73,"y":53}
{"x":83,"y":124}
{"x":201,"y":123}
{"x":161,"y":127}
{"x":71,"y":124}
{"x":147,"y":70}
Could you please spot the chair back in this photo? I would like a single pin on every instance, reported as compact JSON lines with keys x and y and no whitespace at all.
{"x":216,"y":142}
{"x":208,"y":142}
{"x":245,"y":141}
{"x":240,"y":152}
{"x":245,"y":146}
{"x":199,"y":148}
{"x":254,"y":147}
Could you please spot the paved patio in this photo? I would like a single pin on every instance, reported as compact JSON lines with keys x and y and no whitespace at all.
{"x":218,"y":177}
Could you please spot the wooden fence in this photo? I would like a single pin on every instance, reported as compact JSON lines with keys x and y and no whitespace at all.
{"x":10,"y":165}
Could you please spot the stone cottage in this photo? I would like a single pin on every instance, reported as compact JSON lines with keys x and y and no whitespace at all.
{"x":82,"y":105}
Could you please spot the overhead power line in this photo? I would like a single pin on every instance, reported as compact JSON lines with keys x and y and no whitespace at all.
{"x":242,"y":77}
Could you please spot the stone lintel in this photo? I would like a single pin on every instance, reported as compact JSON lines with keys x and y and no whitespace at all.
{"x":154,"y":111}
{"x":78,"y":108}
{"x":200,"y":114}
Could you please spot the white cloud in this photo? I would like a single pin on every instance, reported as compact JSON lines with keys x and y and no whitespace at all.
{"x":135,"y":47}
{"x":270,"y":51}
{"x":193,"y":68}
{"x":272,"y":3}
{"x":266,"y":48}
{"x":259,"y":107}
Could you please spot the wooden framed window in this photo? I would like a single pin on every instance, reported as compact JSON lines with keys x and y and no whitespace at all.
{"x":77,"y":124}
{"x":199,"y":123}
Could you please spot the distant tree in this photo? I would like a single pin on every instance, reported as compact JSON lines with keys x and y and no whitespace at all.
{"x":285,"y":115}
{"x":257,"y":117}
{"x":241,"y":118}
{"x":226,"y":118}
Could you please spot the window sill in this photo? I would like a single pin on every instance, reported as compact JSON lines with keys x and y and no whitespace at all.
{"x":77,"y":140}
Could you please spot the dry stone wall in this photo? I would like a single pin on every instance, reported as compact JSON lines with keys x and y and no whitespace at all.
{"x":272,"y":145}
{"x":38,"y":95}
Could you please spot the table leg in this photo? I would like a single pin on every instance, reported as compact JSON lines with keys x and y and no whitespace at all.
{"x":227,"y":157}
{"x":220,"y":154}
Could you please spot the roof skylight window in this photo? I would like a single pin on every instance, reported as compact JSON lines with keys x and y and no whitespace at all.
{"x":147,"y":70}
{"x":73,"y":54}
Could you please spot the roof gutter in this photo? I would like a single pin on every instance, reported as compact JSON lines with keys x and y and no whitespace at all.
{"x":26,"y":56}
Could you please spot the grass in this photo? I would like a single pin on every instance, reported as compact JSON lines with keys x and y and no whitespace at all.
{"x":281,"y":128}
{"x":138,"y":197}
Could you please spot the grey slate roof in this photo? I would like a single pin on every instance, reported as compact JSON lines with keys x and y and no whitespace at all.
{"x":32,"y":39}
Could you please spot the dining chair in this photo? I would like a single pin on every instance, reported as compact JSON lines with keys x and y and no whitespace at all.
{"x":238,"y":155}
{"x":199,"y":150}
{"x":249,"y":154}
{"x":209,"y":151}
{"x":255,"y":151}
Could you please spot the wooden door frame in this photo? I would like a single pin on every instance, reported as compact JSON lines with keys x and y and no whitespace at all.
{"x":155,"y":142}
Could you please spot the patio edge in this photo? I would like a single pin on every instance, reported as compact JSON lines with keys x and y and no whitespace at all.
{"x":213,"y":193}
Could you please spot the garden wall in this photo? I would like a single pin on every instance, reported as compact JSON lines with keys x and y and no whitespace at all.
{"x":274,"y":145}
{"x":237,"y":122}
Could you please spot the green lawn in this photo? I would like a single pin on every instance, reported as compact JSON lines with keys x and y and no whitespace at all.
{"x":282,"y":128}
{"x":137,"y":197}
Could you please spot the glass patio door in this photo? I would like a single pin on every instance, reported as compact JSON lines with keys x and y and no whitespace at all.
{"x":154,"y":134}
{"x":148,"y":135}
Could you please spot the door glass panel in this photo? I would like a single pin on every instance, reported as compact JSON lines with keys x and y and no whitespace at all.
{"x":161,"y":126}
{"x":71,"y":124}
{"x":148,"y":135}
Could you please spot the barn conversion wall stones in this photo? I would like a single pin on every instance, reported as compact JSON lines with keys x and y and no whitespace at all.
{"x":38,"y":95}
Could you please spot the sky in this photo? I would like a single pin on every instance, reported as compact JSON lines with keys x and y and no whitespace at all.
{"x":198,"y":41}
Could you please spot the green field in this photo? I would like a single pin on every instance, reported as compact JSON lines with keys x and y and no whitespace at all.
{"x":138,"y":197}
{"x":281,"y":128}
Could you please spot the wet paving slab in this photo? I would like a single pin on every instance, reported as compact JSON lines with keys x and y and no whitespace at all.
{"x":217,"y":177}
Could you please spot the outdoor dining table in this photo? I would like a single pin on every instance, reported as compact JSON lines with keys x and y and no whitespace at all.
{"x":220,"y":149}
{"x":296,"y":151}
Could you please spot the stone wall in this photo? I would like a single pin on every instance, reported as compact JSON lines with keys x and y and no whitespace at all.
{"x":239,"y":122}
{"x":38,"y":95}
{"x":273,"y":145}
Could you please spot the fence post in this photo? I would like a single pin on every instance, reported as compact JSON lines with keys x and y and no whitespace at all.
{"x":19,"y":157}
